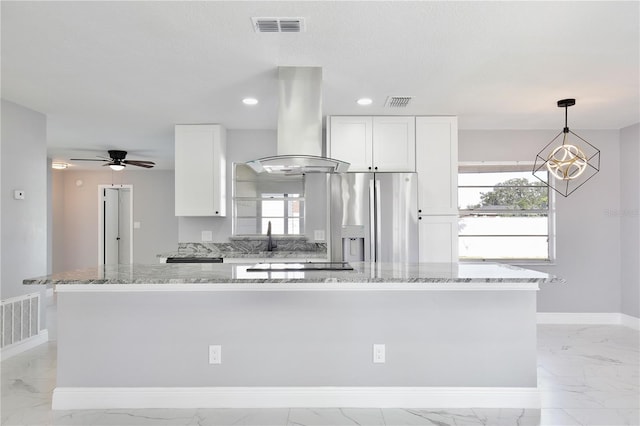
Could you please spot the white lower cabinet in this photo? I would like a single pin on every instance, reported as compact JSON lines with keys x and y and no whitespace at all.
{"x":438,"y":238}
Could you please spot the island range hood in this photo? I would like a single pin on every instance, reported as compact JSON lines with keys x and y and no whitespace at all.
{"x":299,"y":145}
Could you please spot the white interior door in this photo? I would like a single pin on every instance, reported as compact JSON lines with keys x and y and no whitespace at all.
{"x":116,"y":225}
{"x":124,"y":226}
{"x":111,"y":233}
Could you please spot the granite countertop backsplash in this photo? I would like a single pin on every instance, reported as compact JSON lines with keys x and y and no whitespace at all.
{"x":251,"y":248}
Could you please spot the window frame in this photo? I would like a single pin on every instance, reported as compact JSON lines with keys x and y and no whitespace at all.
{"x":286,"y":199}
{"x":506,"y":167}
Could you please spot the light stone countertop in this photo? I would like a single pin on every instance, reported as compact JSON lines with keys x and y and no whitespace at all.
{"x":365,"y":276}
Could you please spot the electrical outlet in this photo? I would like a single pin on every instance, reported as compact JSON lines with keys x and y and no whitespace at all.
{"x":379,"y":353}
{"x":318,"y":235}
{"x":215,"y":354}
{"x":207,"y":236}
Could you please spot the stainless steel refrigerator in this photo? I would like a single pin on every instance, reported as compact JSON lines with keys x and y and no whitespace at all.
{"x":374,"y":217}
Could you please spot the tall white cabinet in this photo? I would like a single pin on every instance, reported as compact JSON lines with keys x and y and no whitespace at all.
{"x":373,"y":144}
{"x":437,"y":168}
{"x":200,"y":170}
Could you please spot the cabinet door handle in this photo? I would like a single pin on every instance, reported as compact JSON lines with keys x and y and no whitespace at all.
{"x":369,"y":167}
{"x":376,"y":168}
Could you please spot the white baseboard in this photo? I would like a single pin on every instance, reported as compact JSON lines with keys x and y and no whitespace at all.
{"x":71,"y":398}
{"x":606,"y":318}
{"x":30,"y":343}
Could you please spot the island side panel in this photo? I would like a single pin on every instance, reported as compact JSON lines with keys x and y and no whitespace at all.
{"x":297,"y":338}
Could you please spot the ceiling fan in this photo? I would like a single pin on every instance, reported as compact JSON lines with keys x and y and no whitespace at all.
{"x":117,"y":160}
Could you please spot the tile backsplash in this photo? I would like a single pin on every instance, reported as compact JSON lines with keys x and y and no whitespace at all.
{"x":250,"y":245}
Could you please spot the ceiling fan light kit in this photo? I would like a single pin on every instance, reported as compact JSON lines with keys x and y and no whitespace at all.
{"x":116,"y":167}
{"x":117,"y":160}
{"x":567,"y":166}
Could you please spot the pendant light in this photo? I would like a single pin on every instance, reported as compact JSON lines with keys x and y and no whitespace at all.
{"x":567,"y":166}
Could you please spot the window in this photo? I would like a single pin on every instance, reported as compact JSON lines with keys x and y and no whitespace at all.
{"x":505,"y":214}
{"x":262,"y":198}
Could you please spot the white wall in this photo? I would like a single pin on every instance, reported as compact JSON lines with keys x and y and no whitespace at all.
{"x":588,"y":226}
{"x":75,"y":215}
{"x":24,"y":222}
{"x":630,"y":219}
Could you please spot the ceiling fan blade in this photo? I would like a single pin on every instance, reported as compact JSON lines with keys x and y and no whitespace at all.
{"x":86,"y":159}
{"x":146,"y":164}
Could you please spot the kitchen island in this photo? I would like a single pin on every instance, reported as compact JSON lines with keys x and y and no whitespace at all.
{"x":454,"y":335}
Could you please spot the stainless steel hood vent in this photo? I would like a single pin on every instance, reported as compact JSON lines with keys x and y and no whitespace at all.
{"x":299,"y":145}
{"x":298,"y":164}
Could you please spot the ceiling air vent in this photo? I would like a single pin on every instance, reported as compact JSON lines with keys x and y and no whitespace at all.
{"x":278,"y":25}
{"x":397,"y":101}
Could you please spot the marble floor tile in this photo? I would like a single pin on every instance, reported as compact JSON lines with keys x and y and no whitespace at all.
{"x":77,"y":417}
{"x":244,"y":417}
{"x":334,"y":416}
{"x":140,"y":417}
{"x":588,"y":384}
{"x":27,"y":417}
{"x":557,"y":417}
{"x":619,"y":417}
{"x":440,"y":417}
{"x":508,"y":416}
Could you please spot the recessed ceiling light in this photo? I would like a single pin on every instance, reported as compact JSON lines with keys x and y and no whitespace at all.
{"x":250,"y":101}
{"x":364,"y":101}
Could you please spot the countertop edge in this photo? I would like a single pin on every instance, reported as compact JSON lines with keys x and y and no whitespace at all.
{"x":289,"y":285}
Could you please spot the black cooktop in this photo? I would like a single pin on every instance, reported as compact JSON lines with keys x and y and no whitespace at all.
{"x":307,"y":266}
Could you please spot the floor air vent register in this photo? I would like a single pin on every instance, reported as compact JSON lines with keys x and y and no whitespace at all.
{"x":19,"y":318}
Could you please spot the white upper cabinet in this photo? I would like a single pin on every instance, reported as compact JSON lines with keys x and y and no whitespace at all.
{"x":394,"y":144}
{"x":200,"y":170}
{"x":437,"y":165}
{"x":350,"y":140}
{"x":381,"y":143}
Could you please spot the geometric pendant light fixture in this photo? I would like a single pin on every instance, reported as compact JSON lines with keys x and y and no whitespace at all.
{"x":566,"y":166}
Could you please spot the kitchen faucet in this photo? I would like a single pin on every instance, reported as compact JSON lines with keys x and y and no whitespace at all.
{"x":270,"y":244}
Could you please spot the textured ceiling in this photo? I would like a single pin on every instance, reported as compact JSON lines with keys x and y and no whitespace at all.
{"x":121,"y":74}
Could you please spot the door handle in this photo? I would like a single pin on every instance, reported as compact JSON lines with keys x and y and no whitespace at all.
{"x":372,"y":221}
